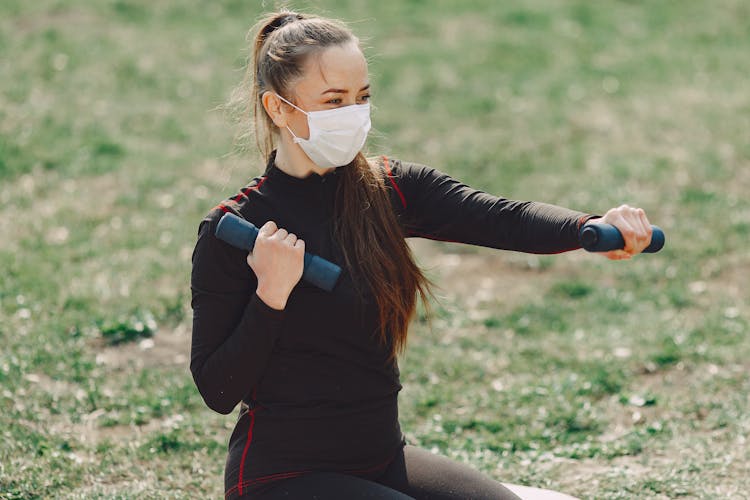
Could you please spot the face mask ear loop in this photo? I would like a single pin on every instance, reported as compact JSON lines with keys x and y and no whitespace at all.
{"x":292,"y":105}
{"x":296,"y":139}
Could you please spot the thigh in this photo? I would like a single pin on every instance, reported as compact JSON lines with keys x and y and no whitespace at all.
{"x":424,"y":475}
{"x":328,"y":486}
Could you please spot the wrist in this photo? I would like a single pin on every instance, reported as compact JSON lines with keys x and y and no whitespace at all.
{"x":592,"y":219}
{"x":271,"y":298}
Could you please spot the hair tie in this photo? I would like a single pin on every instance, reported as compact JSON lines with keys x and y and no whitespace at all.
{"x":280,"y":21}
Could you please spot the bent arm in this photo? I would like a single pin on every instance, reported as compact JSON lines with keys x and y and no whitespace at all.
{"x":234,"y":331}
{"x":437,"y":206}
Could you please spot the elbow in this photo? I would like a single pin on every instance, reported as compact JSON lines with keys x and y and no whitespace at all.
{"x":214,"y":398}
{"x":217,"y":401}
{"x":218,"y":405}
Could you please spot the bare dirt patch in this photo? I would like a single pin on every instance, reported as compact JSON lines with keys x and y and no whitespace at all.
{"x":83,"y":427}
{"x":167,"y":347}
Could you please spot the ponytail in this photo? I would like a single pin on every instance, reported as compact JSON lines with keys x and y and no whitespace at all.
{"x":263,"y":127}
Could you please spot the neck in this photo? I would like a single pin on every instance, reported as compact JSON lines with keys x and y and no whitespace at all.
{"x":292,"y":160}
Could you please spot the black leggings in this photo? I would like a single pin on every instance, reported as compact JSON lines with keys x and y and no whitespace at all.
{"x":414,"y":474}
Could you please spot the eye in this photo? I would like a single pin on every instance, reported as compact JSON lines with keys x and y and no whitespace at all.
{"x":364,"y":98}
{"x":335,"y":100}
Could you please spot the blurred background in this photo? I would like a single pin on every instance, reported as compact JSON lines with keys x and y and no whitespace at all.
{"x":601,"y":379}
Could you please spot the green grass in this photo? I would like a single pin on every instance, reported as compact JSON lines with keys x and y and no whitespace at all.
{"x":605,"y":380}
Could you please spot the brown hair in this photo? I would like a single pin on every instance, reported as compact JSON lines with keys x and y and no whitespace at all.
{"x":373,"y":244}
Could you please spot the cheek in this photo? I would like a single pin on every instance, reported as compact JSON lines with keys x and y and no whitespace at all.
{"x":298,"y":124}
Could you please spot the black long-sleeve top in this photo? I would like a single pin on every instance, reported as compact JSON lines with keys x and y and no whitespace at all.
{"x":316,"y":388}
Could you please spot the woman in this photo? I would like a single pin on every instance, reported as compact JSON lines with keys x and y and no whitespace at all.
{"x":315,"y":372}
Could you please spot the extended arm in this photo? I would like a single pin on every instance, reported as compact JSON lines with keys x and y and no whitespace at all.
{"x":438,"y":206}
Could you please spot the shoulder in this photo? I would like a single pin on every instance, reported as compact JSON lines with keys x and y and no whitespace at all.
{"x":406,"y":177}
{"x":244,"y":203}
{"x":216,"y":265}
{"x":405,"y":180}
{"x":393,"y":167}
{"x":404,"y":170}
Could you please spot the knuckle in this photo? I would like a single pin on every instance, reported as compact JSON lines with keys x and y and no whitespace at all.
{"x":267,"y":229}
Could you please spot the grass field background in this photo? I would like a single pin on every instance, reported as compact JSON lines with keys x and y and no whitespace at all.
{"x":602,"y":379}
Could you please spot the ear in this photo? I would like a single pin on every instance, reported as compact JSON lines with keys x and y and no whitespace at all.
{"x":274,"y":107}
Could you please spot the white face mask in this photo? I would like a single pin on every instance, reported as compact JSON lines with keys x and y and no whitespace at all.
{"x":336,"y":135}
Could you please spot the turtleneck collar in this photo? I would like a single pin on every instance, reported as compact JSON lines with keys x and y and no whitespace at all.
{"x":278,"y":175}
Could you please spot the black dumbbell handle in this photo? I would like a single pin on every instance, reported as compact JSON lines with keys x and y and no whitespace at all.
{"x":242,"y":234}
{"x":606,"y":237}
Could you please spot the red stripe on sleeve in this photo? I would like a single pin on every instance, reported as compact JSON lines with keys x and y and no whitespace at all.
{"x":245,"y":192}
{"x":387,"y":166}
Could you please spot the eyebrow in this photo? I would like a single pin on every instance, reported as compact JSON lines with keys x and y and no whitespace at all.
{"x":343,"y":91}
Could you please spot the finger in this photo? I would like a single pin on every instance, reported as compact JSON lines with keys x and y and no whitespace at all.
{"x":646,"y":225}
{"x":622,"y":211}
{"x":280,"y":234}
{"x":642,"y":215}
{"x":617,"y":255}
{"x":640,"y":237}
{"x":291,"y":238}
{"x":612,"y":215}
{"x":627,"y":232}
{"x":300,"y":244}
{"x":268,"y":228}
{"x":642,"y":231}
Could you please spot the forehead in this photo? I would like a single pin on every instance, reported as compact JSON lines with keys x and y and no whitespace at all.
{"x":339,"y":66}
